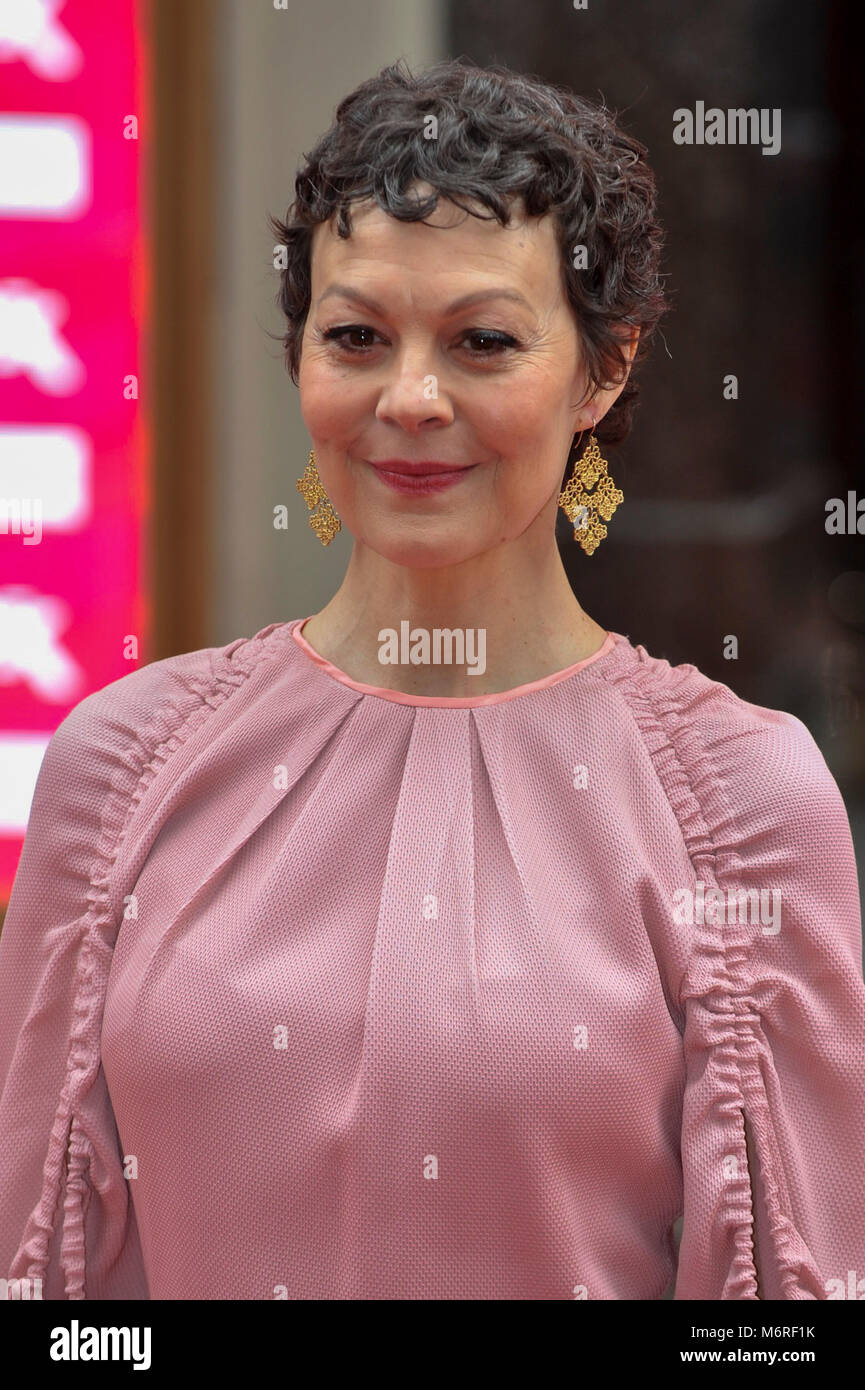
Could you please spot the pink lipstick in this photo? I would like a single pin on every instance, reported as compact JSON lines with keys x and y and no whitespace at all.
{"x":419,"y":478}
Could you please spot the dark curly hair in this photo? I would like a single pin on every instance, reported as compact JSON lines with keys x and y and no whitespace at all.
{"x":500,"y":135}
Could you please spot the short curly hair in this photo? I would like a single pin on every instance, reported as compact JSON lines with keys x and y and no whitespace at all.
{"x":500,"y":135}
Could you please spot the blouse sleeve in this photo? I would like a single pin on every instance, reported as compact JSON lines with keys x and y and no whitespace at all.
{"x":773,"y":1001}
{"x":66,"y":1214}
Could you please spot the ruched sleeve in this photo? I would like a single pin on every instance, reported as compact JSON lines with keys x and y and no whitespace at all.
{"x":773,"y":1002}
{"x":66,"y":1213}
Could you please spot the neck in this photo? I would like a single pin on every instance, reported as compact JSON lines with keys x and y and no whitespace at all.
{"x":517,"y":613}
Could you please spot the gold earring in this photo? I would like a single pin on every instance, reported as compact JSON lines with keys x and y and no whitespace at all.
{"x":324,"y":522}
{"x":583,"y":508}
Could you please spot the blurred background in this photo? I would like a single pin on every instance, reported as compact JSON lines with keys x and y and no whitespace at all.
{"x":146,"y":414}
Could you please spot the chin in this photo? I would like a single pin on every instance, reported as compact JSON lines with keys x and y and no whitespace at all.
{"x":414,"y":550}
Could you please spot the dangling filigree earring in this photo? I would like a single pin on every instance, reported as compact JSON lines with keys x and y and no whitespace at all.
{"x":324,"y":522}
{"x":584,"y":508}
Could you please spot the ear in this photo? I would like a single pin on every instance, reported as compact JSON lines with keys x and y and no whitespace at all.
{"x":628,"y":338}
{"x":630,"y":346}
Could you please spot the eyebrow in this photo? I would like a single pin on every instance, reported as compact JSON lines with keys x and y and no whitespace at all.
{"x":464,"y":301}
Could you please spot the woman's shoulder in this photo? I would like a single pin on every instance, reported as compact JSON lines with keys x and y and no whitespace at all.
{"x":116,"y":739}
{"x":150,"y":701}
{"x":738,"y":774}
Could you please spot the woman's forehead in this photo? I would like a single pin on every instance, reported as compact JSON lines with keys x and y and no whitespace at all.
{"x":450,"y":243}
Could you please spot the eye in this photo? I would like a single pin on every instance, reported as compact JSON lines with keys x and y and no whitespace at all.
{"x":338,"y":335}
{"x":499,"y":342}
{"x":494,"y":343}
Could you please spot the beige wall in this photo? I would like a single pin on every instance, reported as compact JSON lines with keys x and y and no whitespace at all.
{"x":279,"y":76}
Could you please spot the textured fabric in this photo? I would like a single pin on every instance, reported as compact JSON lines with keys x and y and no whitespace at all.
{"x":310,"y":989}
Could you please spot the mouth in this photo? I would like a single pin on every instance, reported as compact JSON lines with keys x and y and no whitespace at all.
{"x":418,"y":469}
{"x":416,"y":478}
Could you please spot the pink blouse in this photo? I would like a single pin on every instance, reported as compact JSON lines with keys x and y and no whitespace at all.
{"x":315,"y":990}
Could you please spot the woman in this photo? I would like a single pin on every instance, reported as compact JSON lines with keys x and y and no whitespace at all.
{"x":442,"y":944}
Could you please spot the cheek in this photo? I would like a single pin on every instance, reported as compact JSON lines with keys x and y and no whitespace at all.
{"x":526,"y":428}
{"x":523,"y":424}
{"x":329,"y":402}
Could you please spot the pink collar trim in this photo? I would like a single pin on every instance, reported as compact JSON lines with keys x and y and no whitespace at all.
{"x":444,"y":701}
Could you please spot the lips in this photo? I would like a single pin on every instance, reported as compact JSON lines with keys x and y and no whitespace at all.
{"x":413,"y":469}
{"x":413,"y":478}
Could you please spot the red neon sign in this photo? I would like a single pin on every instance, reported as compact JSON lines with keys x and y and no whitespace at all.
{"x":74,"y":482}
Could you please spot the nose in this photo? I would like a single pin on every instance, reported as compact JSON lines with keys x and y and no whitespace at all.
{"x":412,"y":396}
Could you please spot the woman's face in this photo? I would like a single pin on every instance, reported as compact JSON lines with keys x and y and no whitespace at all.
{"x":394,"y":367}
